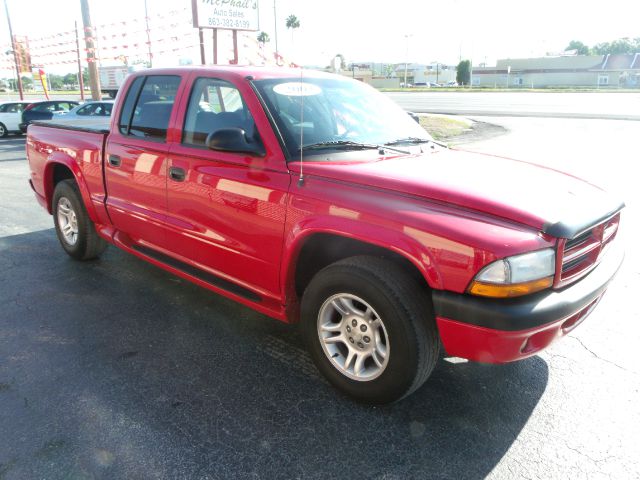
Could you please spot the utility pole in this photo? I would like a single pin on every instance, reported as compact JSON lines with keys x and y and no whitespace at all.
{"x":89,"y":41}
{"x":275,"y":23}
{"x":15,"y":53}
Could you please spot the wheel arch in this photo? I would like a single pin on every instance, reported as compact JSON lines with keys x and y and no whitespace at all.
{"x":61,"y":166}
{"x":314,"y":249}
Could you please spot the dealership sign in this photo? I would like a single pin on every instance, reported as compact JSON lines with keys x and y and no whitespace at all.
{"x":226,"y":14}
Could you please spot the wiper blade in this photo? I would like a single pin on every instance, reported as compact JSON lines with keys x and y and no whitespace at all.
{"x":349,"y":145}
{"x":408,"y":140}
{"x":414,"y":141}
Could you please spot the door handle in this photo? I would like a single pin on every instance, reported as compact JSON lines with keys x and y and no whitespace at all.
{"x":176,"y":173}
{"x":114,"y":160}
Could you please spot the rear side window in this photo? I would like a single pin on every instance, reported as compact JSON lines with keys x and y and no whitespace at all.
{"x":129,"y":103}
{"x":65,"y":106}
{"x":148,"y":106}
{"x":44,"y":107}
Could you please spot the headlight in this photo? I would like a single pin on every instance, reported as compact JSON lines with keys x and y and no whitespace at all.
{"x":517,"y":275}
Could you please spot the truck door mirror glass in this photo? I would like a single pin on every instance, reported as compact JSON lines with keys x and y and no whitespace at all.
{"x":233,"y":140}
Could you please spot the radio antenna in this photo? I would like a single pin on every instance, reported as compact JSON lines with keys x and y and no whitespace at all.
{"x":301,"y":179}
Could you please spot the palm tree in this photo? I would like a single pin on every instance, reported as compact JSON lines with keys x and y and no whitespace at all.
{"x":263,"y":38}
{"x":292,"y":23}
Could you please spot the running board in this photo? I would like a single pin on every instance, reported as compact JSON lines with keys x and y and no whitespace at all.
{"x":198,"y":273}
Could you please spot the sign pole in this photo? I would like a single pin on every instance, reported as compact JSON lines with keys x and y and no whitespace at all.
{"x":15,"y":53}
{"x":215,"y":46}
{"x":235,"y":47}
{"x":201,"y":35}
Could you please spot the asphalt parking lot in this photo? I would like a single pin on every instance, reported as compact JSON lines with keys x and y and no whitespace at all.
{"x":116,"y":369}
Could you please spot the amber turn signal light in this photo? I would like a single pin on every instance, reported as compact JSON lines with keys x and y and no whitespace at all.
{"x":509,"y":290}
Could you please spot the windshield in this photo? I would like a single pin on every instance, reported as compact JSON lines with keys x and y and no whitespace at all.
{"x":336,"y":112}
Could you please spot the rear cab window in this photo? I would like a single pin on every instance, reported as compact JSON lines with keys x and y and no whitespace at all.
{"x":147,"y":107}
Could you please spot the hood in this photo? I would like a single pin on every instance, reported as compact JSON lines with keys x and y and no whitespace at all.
{"x":553,"y":202}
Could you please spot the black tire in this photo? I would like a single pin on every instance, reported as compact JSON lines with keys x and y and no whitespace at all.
{"x":3,"y":130}
{"x":405,"y":308}
{"x":88,"y":243}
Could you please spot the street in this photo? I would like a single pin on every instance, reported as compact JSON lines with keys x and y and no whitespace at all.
{"x":116,"y":369}
{"x":598,"y":105}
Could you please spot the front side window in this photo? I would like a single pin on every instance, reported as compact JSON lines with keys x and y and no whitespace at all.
{"x":148,"y":107}
{"x":328,"y":110}
{"x":213,"y":105}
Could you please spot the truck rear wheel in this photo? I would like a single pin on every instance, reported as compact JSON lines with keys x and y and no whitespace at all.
{"x":76,"y":232}
{"x":370,"y":329}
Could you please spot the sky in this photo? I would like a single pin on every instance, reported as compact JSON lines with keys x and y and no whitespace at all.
{"x":381,"y":31}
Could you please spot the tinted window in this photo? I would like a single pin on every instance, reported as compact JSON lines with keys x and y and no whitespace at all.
{"x":129,"y":103}
{"x":213,"y":105}
{"x":153,"y":109}
{"x":3,"y":108}
{"x":44,"y":107}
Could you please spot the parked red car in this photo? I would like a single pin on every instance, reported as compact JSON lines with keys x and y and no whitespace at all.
{"x":311,"y":197}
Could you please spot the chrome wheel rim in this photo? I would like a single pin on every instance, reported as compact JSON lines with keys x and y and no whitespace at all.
{"x":353,"y":337}
{"x":67,"y":221}
{"x":3,"y":130}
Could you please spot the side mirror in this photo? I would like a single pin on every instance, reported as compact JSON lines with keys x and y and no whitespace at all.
{"x":415,"y":117}
{"x":233,"y":140}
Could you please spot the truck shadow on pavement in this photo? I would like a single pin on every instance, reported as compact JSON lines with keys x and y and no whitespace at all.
{"x":116,"y":369}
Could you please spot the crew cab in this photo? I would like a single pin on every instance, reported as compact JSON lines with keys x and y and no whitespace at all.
{"x":313,"y":198}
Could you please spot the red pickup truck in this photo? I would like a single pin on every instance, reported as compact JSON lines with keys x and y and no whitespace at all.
{"x":312,"y":198}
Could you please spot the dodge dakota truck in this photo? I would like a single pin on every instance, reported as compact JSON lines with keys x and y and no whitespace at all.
{"x":312,"y":198}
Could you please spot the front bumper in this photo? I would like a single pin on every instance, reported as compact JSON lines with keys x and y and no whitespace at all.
{"x":504,"y":330}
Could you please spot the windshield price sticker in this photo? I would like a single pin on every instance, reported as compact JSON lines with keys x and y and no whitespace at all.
{"x":297,"y":89}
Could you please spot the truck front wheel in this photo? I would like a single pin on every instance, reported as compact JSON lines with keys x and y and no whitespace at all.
{"x":76,"y":232}
{"x":370,"y":329}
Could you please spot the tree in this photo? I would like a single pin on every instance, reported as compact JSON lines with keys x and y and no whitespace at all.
{"x":577,"y":45}
{"x":70,"y":79}
{"x":263,"y":38}
{"x":292,"y":23}
{"x":620,"y":46}
{"x":55,"y":81}
{"x":27,"y":82}
{"x":463,"y":72}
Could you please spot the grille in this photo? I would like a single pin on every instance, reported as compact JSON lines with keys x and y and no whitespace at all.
{"x":579,"y":255}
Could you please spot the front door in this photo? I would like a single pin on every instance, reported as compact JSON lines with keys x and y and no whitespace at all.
{"x":226,"y":211}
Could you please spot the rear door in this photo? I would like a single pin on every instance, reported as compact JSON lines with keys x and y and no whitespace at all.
{"x":136,"y":160}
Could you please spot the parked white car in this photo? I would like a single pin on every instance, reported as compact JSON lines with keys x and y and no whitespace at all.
{"x":10,"y":117}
